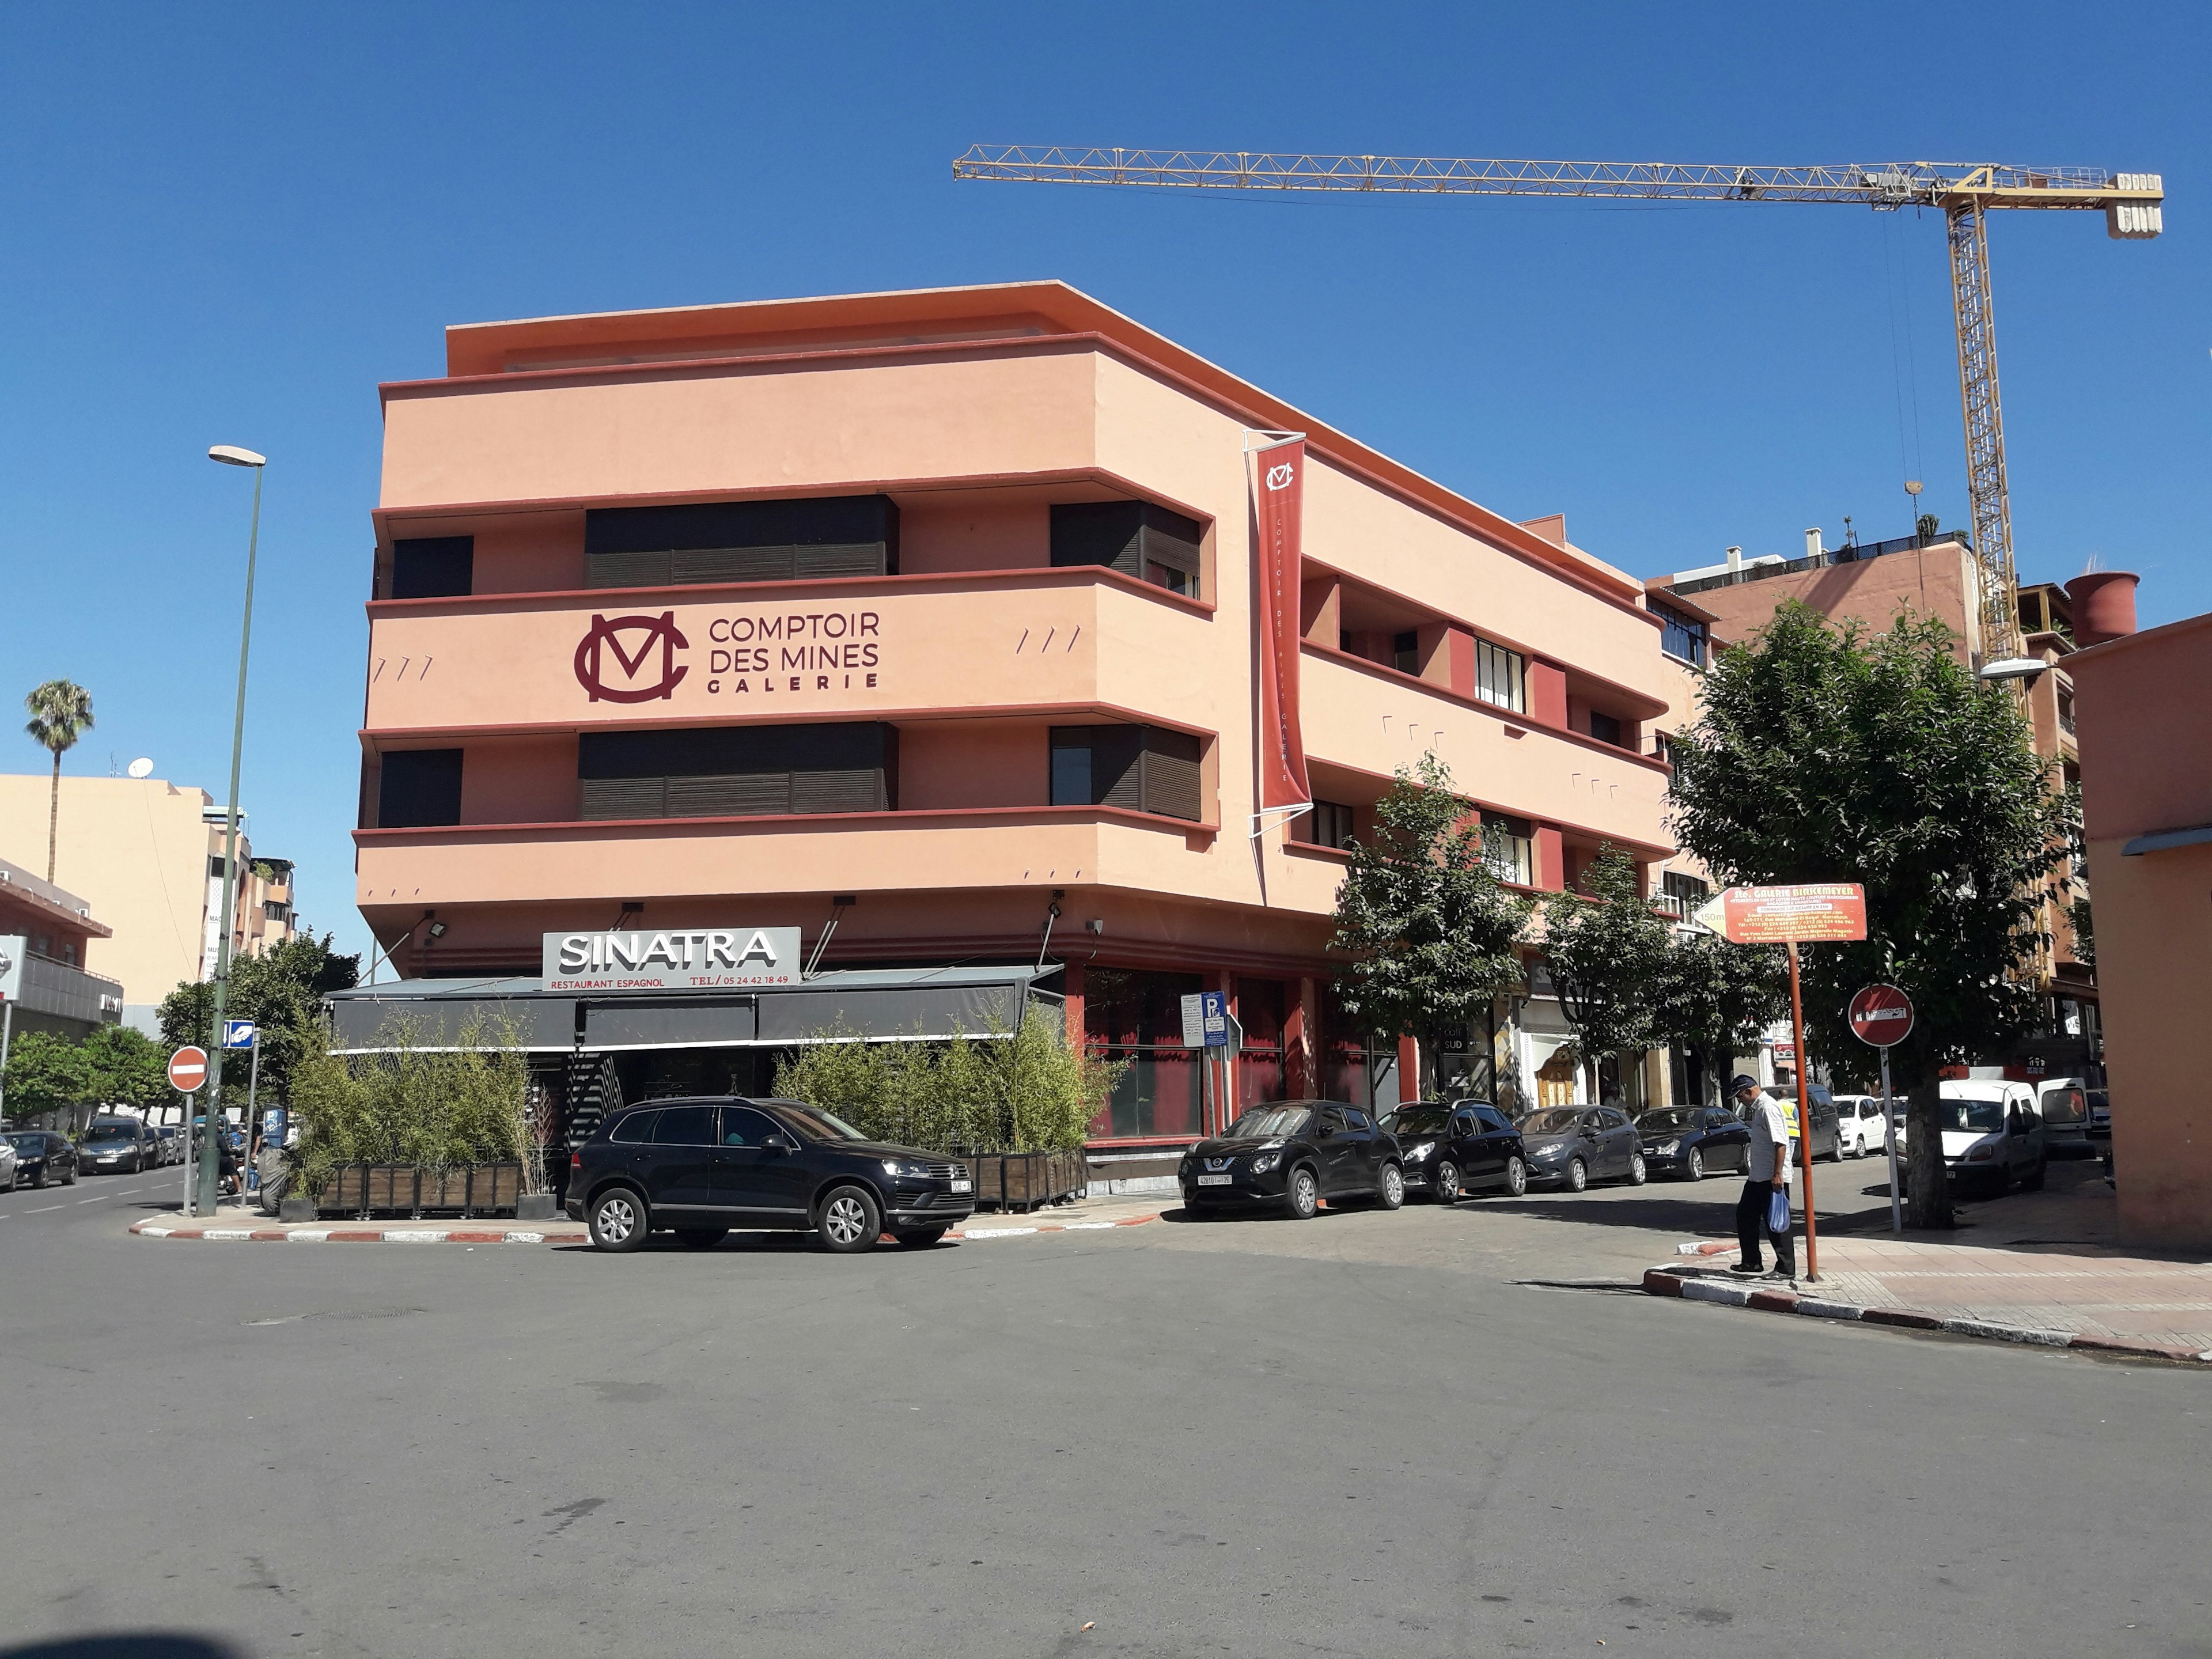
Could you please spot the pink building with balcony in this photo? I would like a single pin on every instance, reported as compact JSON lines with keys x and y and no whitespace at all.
{"x":938,"y":613}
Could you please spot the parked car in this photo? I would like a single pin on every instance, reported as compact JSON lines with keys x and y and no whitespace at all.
{"x":8,"y":1165}
{"x":1692,"y":1141}
{"x":172,"y":1143}
{"x":118,"y":1145}
{"x":2100,"y":1115}
{"x":42,"y":1156}
{"x":1570,"y":1146}
{"x":1827,"y":1133}
{"x":1450,"y":1150}
{"x":698,"y":1168}
{"x":2063,"y":1103}
{"x":1292,"y":1155}
{"x":1991,"y":1134}
{"x":1860,"y":1125}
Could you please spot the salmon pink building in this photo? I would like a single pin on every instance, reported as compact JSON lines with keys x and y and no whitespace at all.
{"x":955,"y":633}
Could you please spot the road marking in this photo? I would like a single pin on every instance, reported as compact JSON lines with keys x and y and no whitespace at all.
{"x":128,"y":1192}
{"x":102,"y":1198}
{"x":50,"y":1206}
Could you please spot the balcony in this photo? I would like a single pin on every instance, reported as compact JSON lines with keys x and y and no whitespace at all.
{"x":63,"y":991}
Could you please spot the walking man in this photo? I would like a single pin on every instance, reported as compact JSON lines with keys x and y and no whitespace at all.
{"x":1766,"y":1171}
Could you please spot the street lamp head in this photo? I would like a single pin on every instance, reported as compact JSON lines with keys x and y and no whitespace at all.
{"x":2011,"y":668}
{"x":232,"y":455}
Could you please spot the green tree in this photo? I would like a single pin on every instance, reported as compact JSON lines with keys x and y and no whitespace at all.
{"x":46,"y":1073}
{"x":1430,"y":927}
{"x":1607,"y":953}
{"x":124,"y":1066}
{"x":1721,"y":996}
{"x":281,"y":991}
{"x":1827,"y":754}
{"x":61,"y":713}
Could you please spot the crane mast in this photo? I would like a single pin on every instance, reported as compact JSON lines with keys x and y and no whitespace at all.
{"x":1965,"y":193}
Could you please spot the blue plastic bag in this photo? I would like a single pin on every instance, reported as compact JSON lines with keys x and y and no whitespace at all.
{"x":1777,"y":1211}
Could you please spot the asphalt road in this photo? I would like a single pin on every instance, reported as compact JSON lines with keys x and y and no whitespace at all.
{"x":1356,"y":1435}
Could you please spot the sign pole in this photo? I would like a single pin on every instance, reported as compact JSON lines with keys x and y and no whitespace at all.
{"x":1889,"y":1136}
{"x":253,"y":1123}
{"x":1804,"y":1119}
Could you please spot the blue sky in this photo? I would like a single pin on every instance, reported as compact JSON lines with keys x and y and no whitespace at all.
{"x":228,"y":225}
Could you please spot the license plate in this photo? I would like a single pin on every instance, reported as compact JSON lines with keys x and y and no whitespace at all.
{"x":1214,"y":1181}
{"x":964,"y":1186}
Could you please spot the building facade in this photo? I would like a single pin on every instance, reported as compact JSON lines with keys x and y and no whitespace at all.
{"x":46,"y":983}
{"x":148,"y":856}
{"x":938,"y":626}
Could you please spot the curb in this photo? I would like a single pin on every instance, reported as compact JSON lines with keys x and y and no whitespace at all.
{"x":1672,"y":1281}
{"x":516,"y":1235}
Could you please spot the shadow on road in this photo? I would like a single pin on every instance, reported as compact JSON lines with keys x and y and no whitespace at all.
{"x":135,"y":1645}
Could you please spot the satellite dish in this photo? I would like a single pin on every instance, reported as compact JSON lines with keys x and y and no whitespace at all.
{"x":142,"y":767}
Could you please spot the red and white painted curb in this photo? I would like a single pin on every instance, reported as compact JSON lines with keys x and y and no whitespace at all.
{"x":1774,"y":1298}
{"x":570,"y":1234}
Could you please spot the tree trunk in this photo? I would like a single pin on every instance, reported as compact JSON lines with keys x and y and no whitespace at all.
{"x":53,"y":815}
{"x":1927,"y":1196}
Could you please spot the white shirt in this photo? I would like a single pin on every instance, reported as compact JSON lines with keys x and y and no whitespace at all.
{"x":1769,"y":1129}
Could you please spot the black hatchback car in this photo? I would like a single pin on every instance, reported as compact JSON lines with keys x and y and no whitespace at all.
{"x":699,"y":1168}
{"x":1468,"y":1146}
{"x":1292,"y":1155}
{"x":1692,"y":1141}
{"x":42,"y":1156}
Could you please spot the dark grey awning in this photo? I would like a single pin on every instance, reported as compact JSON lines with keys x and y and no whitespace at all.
{"x":884,"y":1004}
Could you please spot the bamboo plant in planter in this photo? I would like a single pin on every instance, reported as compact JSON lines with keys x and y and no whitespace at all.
{"x":410,"y":1128}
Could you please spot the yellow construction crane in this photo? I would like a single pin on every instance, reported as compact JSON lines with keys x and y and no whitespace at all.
{"x":2131,"y":203}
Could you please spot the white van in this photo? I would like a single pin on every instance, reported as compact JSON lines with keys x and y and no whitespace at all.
{"x":2064,"y":1104}
{"x":1992,"y":1134}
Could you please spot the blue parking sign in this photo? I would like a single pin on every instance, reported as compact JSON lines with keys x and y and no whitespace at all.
{"x":238,"y":1034}
{"x":1213,"y":1019}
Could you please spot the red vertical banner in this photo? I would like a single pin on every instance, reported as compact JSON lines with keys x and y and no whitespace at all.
{"x":1278,"y":493}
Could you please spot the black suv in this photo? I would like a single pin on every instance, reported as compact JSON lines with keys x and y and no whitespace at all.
{"x":698,"y":1168}
{"x":1465,"y":1148}
{"x":1292,"y":1155}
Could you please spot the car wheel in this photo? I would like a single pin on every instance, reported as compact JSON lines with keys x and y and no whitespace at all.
{"x":919,"y":1238}
{"x":1694,"y":1166}
{"x":618,"y":1219}
{"x":1394,"y":1186}
{"x":701,"y":1238}
{"x":1577,"y":1175}
{"x":2033,"y":1181}
{"x":1302,"y":1197}
{"x":1447,"y":1188}
{"x":1639,"y":1171}
{"x":1516,"y":1178}
{"x":850,"y":1222}
{"x":70,"y":1180}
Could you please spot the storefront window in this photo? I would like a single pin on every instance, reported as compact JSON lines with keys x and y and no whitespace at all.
{"x":1354,"y":1066}
{"x":1261,"y":1069}
{"x":1136,"y":1016}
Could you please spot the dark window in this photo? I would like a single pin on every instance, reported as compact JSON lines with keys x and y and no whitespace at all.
{"x":1493,"y":1118}
{"x":1605,"y":728}
{"x":419,"y":787}
{"x":1140,"y":769}
{"x":743,"y":1126}
{"x":1137,"y":539}
{"x":738,"y":771}
{"x":634,"y":1130}
{"x":214,"y":867}
{"x":1664,"y":748}
{"x":1684,"y":893}
{"x":434,"y":568}
{"x":1355,"y":1120}
{"x":741,"y":542}
{"x":1681,"y":635}
{"x":685,"y":1126}
{"x":1329,"y":825}
{"x":1405,"y":653}
{"x":275,"y":909}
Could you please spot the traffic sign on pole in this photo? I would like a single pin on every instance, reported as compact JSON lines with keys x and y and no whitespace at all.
{"x":238,"y":1034}
{"x":1882,"y":1015}
{"x":188,"y":1069}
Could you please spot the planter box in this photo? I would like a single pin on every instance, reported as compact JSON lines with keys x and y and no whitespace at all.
{"x":363,"y":1189}
{"x":1024,"y":1181}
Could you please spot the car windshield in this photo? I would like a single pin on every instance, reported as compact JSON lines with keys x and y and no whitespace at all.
{"x":108,"y":1132}
{"x":1981,"y":1114}
{"x":819,"y":1125}
{"x":30,"y":1143}
{"x":1677,"y":1117}
{"x":1557,"y":1121}
{"x":1266,"y":1122}
{"x":1418,"y":1120}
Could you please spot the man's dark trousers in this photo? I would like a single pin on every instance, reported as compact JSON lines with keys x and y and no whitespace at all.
{"x":1751,"y":1227}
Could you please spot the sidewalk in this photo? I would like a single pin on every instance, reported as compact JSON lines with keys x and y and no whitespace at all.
{"x":2037,"y":1266}
{"x":235,"y":1223}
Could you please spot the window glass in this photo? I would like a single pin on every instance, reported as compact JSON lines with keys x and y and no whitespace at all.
{"x":1329,"y":825}
{"x":1681,"y":636}
{"x":1500,"y":677}
{"x":1070,"y":775}
{"x":742,"y":1126}
{"x":1606,"y":728}
{"x":635,"y":1129}
{"x":1465,"y":1124}
{"x":685,"y":1126}
{"x":1405,"y":653}
{"x":1355,"y":1120}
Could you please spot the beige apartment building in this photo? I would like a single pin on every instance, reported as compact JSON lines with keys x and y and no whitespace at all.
{"x":146,"y":855}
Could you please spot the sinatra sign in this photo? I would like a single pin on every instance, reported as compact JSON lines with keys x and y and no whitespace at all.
{"x":671,"y":959}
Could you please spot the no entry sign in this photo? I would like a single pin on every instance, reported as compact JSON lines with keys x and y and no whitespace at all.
{"x":1882,"y":1015}
{"x":187,"y":1069}
{"x":1788,"y":915}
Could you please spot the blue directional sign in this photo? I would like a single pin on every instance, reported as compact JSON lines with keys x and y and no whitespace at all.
{"x":238,"y":1034}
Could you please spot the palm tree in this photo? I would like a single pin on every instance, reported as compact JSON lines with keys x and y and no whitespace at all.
{"x":61,"y":713}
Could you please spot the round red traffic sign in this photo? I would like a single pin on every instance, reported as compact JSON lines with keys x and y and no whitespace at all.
{"x":187,"y":1068}
{"x":1882,"y":1015}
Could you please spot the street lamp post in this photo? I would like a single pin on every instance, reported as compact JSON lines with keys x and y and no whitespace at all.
{"x":208,"y":1187}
